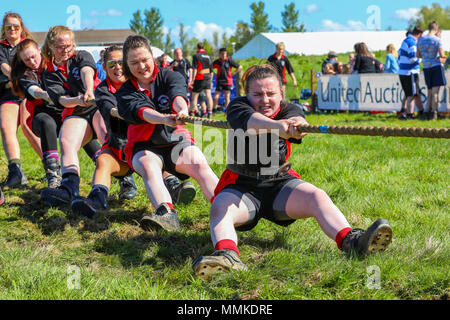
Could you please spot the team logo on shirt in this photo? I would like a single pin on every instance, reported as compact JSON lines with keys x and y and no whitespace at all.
{"x":163,"y":102}
{"x":76,"y":73}
{"x":282,"y":63}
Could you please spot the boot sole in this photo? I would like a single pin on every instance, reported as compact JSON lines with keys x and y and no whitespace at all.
{"x":187,"y":195}
{"x":380,"y":239}
{"x":207,"y":266}
{"x":148,"y":224}
{"x":83,"y":209}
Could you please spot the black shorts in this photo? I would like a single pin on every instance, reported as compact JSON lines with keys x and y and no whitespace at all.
{"x":8,"y":97}
{"x":168,"y":158}
{"x":200,"y":85}
{"x":264,"y":199}
{"x":410,"y":84}
{"x":223,"y":87}
{"x":434,"y":77}
{"x":35,"y":121}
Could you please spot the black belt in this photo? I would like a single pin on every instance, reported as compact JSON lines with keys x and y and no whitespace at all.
{"x":256,"y":174}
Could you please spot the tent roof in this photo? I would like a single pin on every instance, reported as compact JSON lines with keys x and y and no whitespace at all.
{"x":318,"y":43}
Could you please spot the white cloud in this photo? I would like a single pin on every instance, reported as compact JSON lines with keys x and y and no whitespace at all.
{"x":106,"y":13}
{"x":406,"y":14}
{"x":311,"y":8}
{"x":202,"y":30}
{"x":350,"y":25}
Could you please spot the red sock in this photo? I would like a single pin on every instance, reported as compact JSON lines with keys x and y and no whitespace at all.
{"x":341,"y":235}
{"x":226,"y":244}
{"x":170,"y":205}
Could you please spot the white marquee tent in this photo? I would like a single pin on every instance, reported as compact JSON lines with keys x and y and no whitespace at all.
{"x":319,"y":43}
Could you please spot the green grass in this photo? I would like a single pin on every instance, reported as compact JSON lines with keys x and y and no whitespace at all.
{"x":405,"y":180}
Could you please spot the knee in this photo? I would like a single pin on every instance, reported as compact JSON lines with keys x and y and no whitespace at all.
{"x":318,"y":197}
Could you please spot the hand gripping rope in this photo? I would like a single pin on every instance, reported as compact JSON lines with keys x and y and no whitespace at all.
{"x":416,"y":132}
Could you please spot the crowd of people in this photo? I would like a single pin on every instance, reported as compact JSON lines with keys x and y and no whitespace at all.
{"x":55,"y":94}
{"x":416,"y":49}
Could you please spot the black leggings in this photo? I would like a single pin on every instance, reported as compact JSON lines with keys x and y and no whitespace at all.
{"x":47,"y":128}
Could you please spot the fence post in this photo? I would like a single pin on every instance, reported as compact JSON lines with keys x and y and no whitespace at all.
{"x":313,"y":91}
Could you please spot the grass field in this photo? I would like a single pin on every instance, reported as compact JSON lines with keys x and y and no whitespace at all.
{"x":43,"y":250}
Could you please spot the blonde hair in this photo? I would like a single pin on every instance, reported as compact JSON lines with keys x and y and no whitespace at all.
{"x":50,"y":39}
{"x":391,"y":49}
{"x":25,"y":32}
{"x":280,"y":46}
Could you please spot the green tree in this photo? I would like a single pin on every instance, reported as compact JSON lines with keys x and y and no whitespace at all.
{"x":290,"y":19}
{"x":184,"y":40}
{"x":150,"y":26}
{"x":242,"y":35}
{"x":436,"y":13}
{"x":259,"y":19}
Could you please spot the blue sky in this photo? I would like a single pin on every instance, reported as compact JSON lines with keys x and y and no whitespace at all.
{"x":202,"y":17}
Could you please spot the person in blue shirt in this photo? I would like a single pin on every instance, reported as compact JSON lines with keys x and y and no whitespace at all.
{"x":409,"y":71}
{"x":101,"y":72}
{"x":433,"y":55}
{"x":391,"y":64}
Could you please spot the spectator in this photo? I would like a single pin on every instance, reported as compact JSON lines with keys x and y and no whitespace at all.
{"x":409,"y":73}
{"x":329,"y":69}
{"x":338,"y":68}
{"x":332,"y":58}
{"x":181,"y":64}
{"x":101,"y":72}
{"x":282,"y":64}
{"x":430,"y":49}
{"x":365,"y":61}
{"x":163,"y":63}
{"x":347,"y":69}
{"x":391,"y":65}
{"x":351,"y":61}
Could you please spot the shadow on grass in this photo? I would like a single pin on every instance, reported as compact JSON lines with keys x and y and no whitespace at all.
{"x":54,"y":219}
{"x":157,"y":249}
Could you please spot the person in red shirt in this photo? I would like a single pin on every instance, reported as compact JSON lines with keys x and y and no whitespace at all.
{"x":252,"y":188}
{"x":201,"y":80}
{"x":282,"y":64}
{"x":224,"y":76}
{"x":71,"y":79}
{"x":150,"y":101}
{"x":12,"y":107}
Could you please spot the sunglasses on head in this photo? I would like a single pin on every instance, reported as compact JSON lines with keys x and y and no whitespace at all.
{"x":111,"y":63}
{"x":9,"y":27}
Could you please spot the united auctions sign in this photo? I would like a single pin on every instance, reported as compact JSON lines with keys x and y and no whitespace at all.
{"x":371,"y":92}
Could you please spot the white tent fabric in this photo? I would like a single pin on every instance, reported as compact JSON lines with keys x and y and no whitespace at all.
{"x":319,"y":43}
{"x":95,"y":51}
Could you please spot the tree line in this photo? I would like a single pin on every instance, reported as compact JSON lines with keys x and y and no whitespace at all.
{"x":149,"y":23}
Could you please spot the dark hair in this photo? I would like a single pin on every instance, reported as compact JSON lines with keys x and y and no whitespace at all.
{"x":417,"y":30}
{"x":433,"y":25}
{"x":200,"y":46}
{"x":133,"y":42}
{"x":362,"y":50}
{"x":18,"y":67}
{"x":107,"y":52}
{"x":222,"y":50}
{"x":258,"y":72}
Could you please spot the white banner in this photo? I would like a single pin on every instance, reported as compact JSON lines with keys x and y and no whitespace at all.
{"x":371,"y":92}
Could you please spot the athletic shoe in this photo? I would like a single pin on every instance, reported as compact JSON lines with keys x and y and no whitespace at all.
{"x":164,"y":218}
{"x":16,"y":177}
{"x":64,"y":194}
{"x":2,"y":197}
{"x":181,"y":193}
{"x":128,"y":187}
{"x":86,"y":207}
{"x":407,"y":116}
{"x":220,"y":261}
{"x":375,"y":239}
{"x":52,"y":172}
